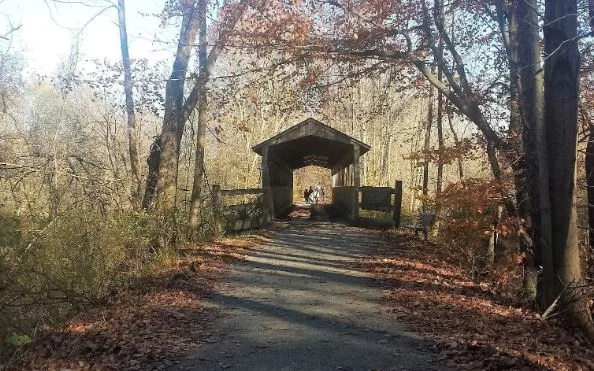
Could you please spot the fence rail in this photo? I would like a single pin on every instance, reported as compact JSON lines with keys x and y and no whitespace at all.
{"x":237,"y":217}
{"x":241,"y":192}
{"x":380,"y":199}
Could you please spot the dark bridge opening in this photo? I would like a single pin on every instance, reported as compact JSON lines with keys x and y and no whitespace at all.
{"x":310,"y":150}
{"x":305,"y":144}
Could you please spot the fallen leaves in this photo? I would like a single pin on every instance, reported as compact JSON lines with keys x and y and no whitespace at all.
{"x":146,"y":327}
{"x":474,"y":326}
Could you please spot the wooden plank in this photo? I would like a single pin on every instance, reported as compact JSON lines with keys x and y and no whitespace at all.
{"x":241,"y":192}
{"x":382,"y":188}
{"x":243,"y":207}
{"x":397,"y":203}
{"x":216,"y":200}
{"x":375,"y":207}
{"x":242,"y":224}
{"x":376,"y":198}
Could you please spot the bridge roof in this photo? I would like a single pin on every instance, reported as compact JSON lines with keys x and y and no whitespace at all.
{"x":311,"y":142}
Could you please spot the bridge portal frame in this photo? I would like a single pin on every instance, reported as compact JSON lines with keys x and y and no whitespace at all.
{"x":310,"y":142}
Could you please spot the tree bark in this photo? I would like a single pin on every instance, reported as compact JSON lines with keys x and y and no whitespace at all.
{"x":507,"y":17}
{"x":161,"y":185}
{"x":426,"y":149}
{"x":456,"y":143}
{"x":534,"y":134}
{"x":173,"y":121}
{"x":591,"y":14}
{"x":561,"y":118}
{"x":152,"y":161}
{"x":131,"y":117}
{"x":589,"y":164}
{"x":198,"y":96}
{"x":439,"y":18}
{"x":196,"y":199}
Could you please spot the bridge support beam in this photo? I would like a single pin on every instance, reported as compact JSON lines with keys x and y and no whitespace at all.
{"x":356,"y":181}
{"x":267,"y":201}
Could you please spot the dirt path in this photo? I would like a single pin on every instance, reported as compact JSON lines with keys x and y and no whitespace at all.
{"x":298,"y":303}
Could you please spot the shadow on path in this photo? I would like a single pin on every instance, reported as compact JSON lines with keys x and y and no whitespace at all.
{"x":297,"y":303}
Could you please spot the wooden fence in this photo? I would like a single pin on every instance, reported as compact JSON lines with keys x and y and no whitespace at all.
{"x":240,"y":216}
{"x":380,"y":199}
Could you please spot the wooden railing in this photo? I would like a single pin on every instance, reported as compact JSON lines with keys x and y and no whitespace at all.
{"x":380,"y":199}
{"x":240,"y":216}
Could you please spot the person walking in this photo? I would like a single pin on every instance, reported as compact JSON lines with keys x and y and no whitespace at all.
{"x":310,"y":196}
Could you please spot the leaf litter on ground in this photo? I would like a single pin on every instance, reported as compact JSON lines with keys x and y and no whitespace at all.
{"x":148,"y":326}
{"x":486,"y":325}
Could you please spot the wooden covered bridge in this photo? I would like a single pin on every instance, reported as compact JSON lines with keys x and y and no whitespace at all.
{"x":309,"y":143}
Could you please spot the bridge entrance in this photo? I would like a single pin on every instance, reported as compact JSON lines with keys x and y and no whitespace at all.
{"x":310,"y":143}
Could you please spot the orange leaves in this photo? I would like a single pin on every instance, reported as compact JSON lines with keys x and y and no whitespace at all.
{"x":472,"y":211}
{"x":146,"y":327}
{"x":474,"y":326}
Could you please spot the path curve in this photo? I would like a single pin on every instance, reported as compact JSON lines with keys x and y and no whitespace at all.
{"x":298,"y":303}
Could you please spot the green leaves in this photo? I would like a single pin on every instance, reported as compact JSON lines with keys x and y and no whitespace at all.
{"x":18,"y":340}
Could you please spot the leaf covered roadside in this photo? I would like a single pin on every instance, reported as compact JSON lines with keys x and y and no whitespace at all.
{"x":474,"y":326}
{"x":148,"y":326}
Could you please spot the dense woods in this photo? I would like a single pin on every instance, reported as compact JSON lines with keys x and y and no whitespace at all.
{"x":482,"y":108}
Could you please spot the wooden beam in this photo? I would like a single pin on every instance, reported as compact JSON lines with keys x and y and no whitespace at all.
{"x":267,"y":200}
{"x":217,"y":203}
{"x":397,"y":203}
{"x":241,"y":192}
{"x":356,"y":180}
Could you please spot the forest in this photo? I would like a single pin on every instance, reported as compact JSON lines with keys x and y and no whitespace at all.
{"x":111,"y":172}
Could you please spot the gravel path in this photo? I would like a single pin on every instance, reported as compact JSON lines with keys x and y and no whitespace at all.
{"x":298,"y":303}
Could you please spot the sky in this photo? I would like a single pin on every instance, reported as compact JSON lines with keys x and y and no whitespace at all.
{"x":49,"y":28}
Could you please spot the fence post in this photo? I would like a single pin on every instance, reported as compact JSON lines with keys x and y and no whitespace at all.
{"x":397,"y":202}
{"x":267,"y":197}
{"x":217,"y":209}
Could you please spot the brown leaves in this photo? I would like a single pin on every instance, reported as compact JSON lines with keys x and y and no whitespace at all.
{"x":475,"y":326}
{"x":146,"y":327}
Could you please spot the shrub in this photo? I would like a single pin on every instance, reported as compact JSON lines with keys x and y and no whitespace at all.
{"x":71,"y":262}
{"x":470,"y":217}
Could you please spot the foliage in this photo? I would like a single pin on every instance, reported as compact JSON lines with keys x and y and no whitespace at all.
{"x":471,"y":215}
{"x":52,"y":269}
{"x":474,"y":326}
{"x":149,"y":325}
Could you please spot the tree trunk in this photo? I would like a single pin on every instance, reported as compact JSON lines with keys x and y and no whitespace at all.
{"x":427,"y":148}
{"x":196,"y":200}
{"x":515,"y":117}
{"x":440,"y":19}
{"x":440,"y":146}
{"x":387,"y":156}
{"x":131,"y":117}
{"x":534,"y":133}
{"x":153,"y":172}
{"x":561,"y":118}
{"x":198,"y":96}
{"x":161,"y":185}
{"x":173,"y":122}
{"x":589,"y":164}
{"x":508,"y":24}
{"x":456,"y":143}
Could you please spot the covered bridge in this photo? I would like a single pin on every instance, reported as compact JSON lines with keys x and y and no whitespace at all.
{"x":310,"y":143}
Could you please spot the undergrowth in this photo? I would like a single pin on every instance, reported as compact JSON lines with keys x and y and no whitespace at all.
{"x":52,"y":269}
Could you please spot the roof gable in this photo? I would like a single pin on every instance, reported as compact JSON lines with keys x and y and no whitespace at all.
{"x":308,"y":128}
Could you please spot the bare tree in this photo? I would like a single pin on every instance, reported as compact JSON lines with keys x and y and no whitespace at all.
{"x":161,"y":185}
{"x":561,"y":86}
{"x":131,"y":117}
{"x":427,"y":147}
{"x":199,"y":95}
